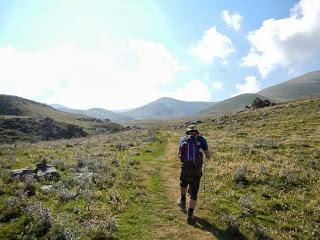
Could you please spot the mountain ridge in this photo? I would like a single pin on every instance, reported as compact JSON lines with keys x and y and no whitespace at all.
{"x":99,"y":113}
{"x":167,"y":108}
{"x":304,"y":86}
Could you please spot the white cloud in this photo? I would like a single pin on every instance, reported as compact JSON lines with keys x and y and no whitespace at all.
{"x":217,"y":85}
{"x":154,"y":58}
{"x":212,"y":45}
{"x":233,"y":21}
{"x":112,"y":78}
{"x":195,"y":90}
{"x":287,"y":42}
{"x":250,"y":86}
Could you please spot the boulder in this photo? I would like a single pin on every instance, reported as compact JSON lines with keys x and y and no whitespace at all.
{"x":43,"y":170}
{"x":46,"y":188}
{"x":43,"y":166}
{"x":49,"y":174}
{"x":21,"y":173}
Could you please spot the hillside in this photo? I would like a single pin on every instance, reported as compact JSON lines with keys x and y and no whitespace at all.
{"x":265,"y":171}
{"x":261,"y":183}
{"x":166,"y":108}
{"x":30,"y":112}
{"x":15,"y":129}
{"x":305,"y":86}
{"x":99,"y":113}
{"x":233,"y":104}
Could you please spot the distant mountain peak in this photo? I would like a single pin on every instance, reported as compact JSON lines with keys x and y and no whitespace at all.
{"x":167,"y":108}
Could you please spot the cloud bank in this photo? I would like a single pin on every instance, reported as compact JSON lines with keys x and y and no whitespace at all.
{"x":193,"y":90}
{"x":212,"y":45}
{"x":78,"y":79}
{"x":287,"y":42}
{"x":252,"y":85}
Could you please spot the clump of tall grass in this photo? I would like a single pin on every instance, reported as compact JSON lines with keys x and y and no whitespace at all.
{"x":240,"y":176}
{"x":261,"y":233}
{"x":232,"y":224}
{"x":247,"y":203}
{"x":265,"y":142}
{"x":66,"y":195}
{"x":290,"y":177}
{"x":12,"y":208}
{"x":38,"y":220}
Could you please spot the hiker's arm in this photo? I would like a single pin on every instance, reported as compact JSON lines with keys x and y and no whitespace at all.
{"x":179,"y":149}
{"x":207,"y":153}
{"x":204,"y":146}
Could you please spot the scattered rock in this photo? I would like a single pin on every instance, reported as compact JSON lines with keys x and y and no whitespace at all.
{"x":46,"y":171}
{"x":195,"y":122}
{"x":121,"y":146}
{"x":46,"y":188}
{"x":115,"y":162}
{"x":220,"y":122}
{"x":20,"y":174}
{"x":128,"y":128}
{"x":43,"y":170}
{"x":50,"y":174}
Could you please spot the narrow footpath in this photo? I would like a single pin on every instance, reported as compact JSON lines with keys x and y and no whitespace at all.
{"x":178,"y":228}
{"x":155,"y":214}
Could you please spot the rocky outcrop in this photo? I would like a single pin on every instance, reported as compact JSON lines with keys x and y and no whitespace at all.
{"x":21,"y":173}
{"x":47,"y":188}
{"x":42,"y":171}
{"x":46,"y":171}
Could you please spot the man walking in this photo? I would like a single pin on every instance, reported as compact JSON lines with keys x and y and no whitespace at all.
{"x":191,"y":149}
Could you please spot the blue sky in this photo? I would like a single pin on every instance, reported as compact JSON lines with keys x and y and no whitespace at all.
{"x":123,"y":54}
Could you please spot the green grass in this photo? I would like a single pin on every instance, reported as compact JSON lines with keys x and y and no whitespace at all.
{"x":279,"y":147}
{"x":99,"y":203}
{"x":145,"y":212}
{"x":276,"y":150}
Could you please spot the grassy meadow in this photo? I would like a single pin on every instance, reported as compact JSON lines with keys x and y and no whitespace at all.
{"x":263,"y":180}
{"x":261,"y":183}
{"x":99,"y":178}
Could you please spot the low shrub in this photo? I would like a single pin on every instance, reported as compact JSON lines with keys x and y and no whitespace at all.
{"x":240,"y":176}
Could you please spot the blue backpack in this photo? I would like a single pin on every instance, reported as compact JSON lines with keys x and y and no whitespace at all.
{"x":190,"y":151}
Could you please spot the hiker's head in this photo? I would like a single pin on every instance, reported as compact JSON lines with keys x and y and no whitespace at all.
{"x":192,"y":130}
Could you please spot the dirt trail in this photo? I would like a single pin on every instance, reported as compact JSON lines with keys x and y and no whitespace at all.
{"x":178,"y":228}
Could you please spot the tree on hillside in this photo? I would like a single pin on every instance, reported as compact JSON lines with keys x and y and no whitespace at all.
{"x":259,"y":103}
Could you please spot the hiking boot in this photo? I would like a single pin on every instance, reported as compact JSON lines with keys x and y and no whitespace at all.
{"x":181,"y":204}
{"x":190,"y":219}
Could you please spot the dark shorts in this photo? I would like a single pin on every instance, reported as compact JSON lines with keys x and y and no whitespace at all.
{"x":191,"y":176}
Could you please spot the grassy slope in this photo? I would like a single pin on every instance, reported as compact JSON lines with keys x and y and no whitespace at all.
{"x":302,"y":87}
{"x":233,"y":104}
{"x":262,"y":182}
{"x":12,"y":106}
{"x":305,"y":86}
{"x":276,"y":150}
{"x":95,"y":212}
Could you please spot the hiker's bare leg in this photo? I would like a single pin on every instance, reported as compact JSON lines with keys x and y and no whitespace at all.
{"x":192,"y":203}
{"x":183,"y":191}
